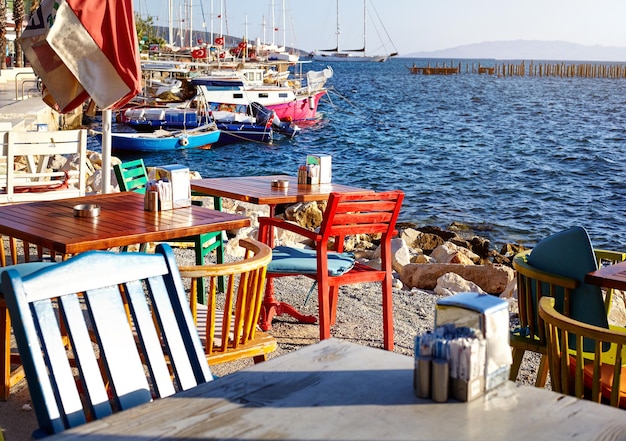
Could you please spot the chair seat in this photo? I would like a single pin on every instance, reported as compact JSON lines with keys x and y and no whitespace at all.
{"x":290,"y":260}
{"x":606,"y":379}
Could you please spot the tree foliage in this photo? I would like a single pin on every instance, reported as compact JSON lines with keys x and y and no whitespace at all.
{"x":3,"y":34}
{"x":146,"y":33}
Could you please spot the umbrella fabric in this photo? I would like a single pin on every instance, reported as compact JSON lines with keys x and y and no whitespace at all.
{"x":81,"y":49}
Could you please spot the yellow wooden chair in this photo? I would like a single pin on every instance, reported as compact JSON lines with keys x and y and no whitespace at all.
{"x":228,"y":323}
{"x":597,"y":375}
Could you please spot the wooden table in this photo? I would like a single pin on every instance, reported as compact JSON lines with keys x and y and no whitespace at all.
{"x":258,"y":190}
{"x":122,"y":221}
{"x":335,"y":390}
{"x":609,"y":276}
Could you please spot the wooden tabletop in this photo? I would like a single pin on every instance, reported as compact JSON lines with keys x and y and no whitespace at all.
{"x":122,"y":221}
{"x":335,"y":390}
{"x":258,"y":189}
{"x":609,"y":276}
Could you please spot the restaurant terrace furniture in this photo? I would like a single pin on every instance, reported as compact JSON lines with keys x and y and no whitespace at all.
{"x":13,"y":376}
{"x":346,"y":214}
{"x":228,"y":323}
{"x":37,"y":182}
{"x":597,"y":375}
{"x":337,"y":390}
{"x":132,"y":176}
{"x":556,"y":267}
{"x":122,"y":221}
{"x":262,"y":190}
{"x":92,"y":298}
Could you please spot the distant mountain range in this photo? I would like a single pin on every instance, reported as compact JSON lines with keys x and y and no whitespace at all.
{"x":528,"y":50}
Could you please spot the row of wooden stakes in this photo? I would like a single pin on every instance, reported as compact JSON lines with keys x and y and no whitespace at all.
{"x":563,"y":70}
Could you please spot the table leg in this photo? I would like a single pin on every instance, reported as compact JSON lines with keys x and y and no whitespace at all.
{"x":272,"y":307}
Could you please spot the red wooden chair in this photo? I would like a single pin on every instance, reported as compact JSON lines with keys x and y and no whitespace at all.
{"x":346,"y":214}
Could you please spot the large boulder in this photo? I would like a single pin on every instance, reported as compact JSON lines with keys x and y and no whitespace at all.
{"x":491,"y":278}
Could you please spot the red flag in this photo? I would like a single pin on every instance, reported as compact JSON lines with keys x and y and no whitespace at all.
{"x":219,"y":41}
{"x":85,"y":48}
{"x":199,"y":53}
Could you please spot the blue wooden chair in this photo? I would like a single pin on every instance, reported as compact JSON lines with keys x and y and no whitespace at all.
{"x":133,"y":176}
{"x":12,"y":375}
{"x":132,"y":306}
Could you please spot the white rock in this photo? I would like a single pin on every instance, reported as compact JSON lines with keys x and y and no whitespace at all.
{"x":451,"y":283}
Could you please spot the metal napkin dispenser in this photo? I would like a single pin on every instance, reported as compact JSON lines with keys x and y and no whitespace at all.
{"x":490,"y":315}
{"x":178,"y":176}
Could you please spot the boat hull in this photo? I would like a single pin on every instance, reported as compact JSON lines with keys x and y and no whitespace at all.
{"x":232,"y":133}
{"x":156,"y":142}
{"x":303,"y":108}
{"x":339,"y":58}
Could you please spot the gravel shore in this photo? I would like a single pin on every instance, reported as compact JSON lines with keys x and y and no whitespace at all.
{"x":358,"y":320}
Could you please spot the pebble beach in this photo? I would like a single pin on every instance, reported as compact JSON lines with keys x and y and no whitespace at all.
{"x":358,"y":320}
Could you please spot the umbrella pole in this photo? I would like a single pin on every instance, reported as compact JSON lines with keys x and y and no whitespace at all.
{"x":106,"y":151}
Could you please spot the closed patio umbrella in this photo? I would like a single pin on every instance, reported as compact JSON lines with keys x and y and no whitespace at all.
{"x":82,"y":49}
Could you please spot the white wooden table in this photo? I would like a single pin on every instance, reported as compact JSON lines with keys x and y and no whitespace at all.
{"x":336,"y":390}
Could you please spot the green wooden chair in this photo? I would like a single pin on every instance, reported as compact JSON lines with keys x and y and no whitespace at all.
{"x":133,"y":176}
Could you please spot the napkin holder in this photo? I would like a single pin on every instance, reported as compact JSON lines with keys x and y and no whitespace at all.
{"x":324,"y":166}
{"x":490,"y":315}
{"x":178,"y":176}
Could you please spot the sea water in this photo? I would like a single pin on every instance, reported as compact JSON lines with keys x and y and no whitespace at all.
{"x":515,"y":158}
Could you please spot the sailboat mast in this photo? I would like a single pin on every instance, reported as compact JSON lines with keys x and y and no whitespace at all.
{"x":284,"y":27}
{"x":273,"y":26}
{"x":364,"y":24}
{"x":170,"y":22}
{"x":190,"y":23}
{"x":338,"y":31}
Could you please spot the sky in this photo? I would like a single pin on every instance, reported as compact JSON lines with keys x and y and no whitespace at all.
{"x":408,"y":26}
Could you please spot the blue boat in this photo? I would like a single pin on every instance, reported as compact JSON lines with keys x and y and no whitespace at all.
{"x":163,"y":140}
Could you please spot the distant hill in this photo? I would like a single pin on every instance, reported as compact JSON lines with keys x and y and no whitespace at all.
{"x":528,"y":50}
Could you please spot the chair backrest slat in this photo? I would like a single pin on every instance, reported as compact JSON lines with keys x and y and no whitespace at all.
{"x":361,"y":213}
{"x":72,"y":315}
{"x":131,"y":176}
{"x":124,"y":318}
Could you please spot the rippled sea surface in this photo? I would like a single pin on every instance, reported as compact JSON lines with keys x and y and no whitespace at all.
{"x":516,"y":158}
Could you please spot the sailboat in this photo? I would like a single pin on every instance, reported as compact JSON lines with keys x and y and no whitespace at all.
{"x":338,"y":55}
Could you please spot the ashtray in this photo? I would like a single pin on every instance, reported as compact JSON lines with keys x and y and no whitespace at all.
{"x":280,"y":183}
{"x":86,"y":210}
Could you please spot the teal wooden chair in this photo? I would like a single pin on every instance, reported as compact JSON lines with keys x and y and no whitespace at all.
{"x":133,"y":176}
{"x":556,"y":267}
{"x":133,"y":306}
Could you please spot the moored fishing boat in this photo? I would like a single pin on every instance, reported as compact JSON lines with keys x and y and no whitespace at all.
{"x":238,"y":119}
{"x":165,"y":140}
{"x":291,"y":99}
